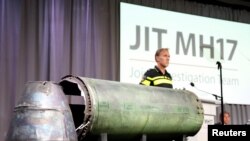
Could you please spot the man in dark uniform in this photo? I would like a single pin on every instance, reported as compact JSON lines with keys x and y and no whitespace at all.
{"x":159,"y":76}
{"x":225,"y":117}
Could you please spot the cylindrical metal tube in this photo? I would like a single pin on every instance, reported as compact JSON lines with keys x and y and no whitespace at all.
{"x":42,"y":113}
{"x":122,"y":108}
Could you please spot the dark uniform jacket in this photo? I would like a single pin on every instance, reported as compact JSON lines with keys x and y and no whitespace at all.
{"x":154,"y":77}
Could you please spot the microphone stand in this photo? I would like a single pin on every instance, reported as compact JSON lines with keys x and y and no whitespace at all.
{"x":216,"y":96}
{"x":222,"y":105}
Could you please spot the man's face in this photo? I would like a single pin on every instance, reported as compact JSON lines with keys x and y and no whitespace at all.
{"x":163,"y":58}
{"x":226,"y":118}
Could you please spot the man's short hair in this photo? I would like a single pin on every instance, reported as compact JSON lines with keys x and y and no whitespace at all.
{"x":157,"y":53}
{"x":222,"y":115}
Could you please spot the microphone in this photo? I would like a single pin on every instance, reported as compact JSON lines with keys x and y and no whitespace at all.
{"x":219,"y":64}
{"x":192,"y":84}
{"x":216,"y":96}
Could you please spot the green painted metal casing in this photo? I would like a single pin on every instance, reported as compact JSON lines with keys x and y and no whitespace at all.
{"x":121,"y":108}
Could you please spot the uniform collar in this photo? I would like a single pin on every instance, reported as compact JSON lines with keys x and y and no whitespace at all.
{"x":158,"y":70}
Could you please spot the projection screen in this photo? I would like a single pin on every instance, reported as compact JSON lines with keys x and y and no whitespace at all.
{"x":196,"y":43}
